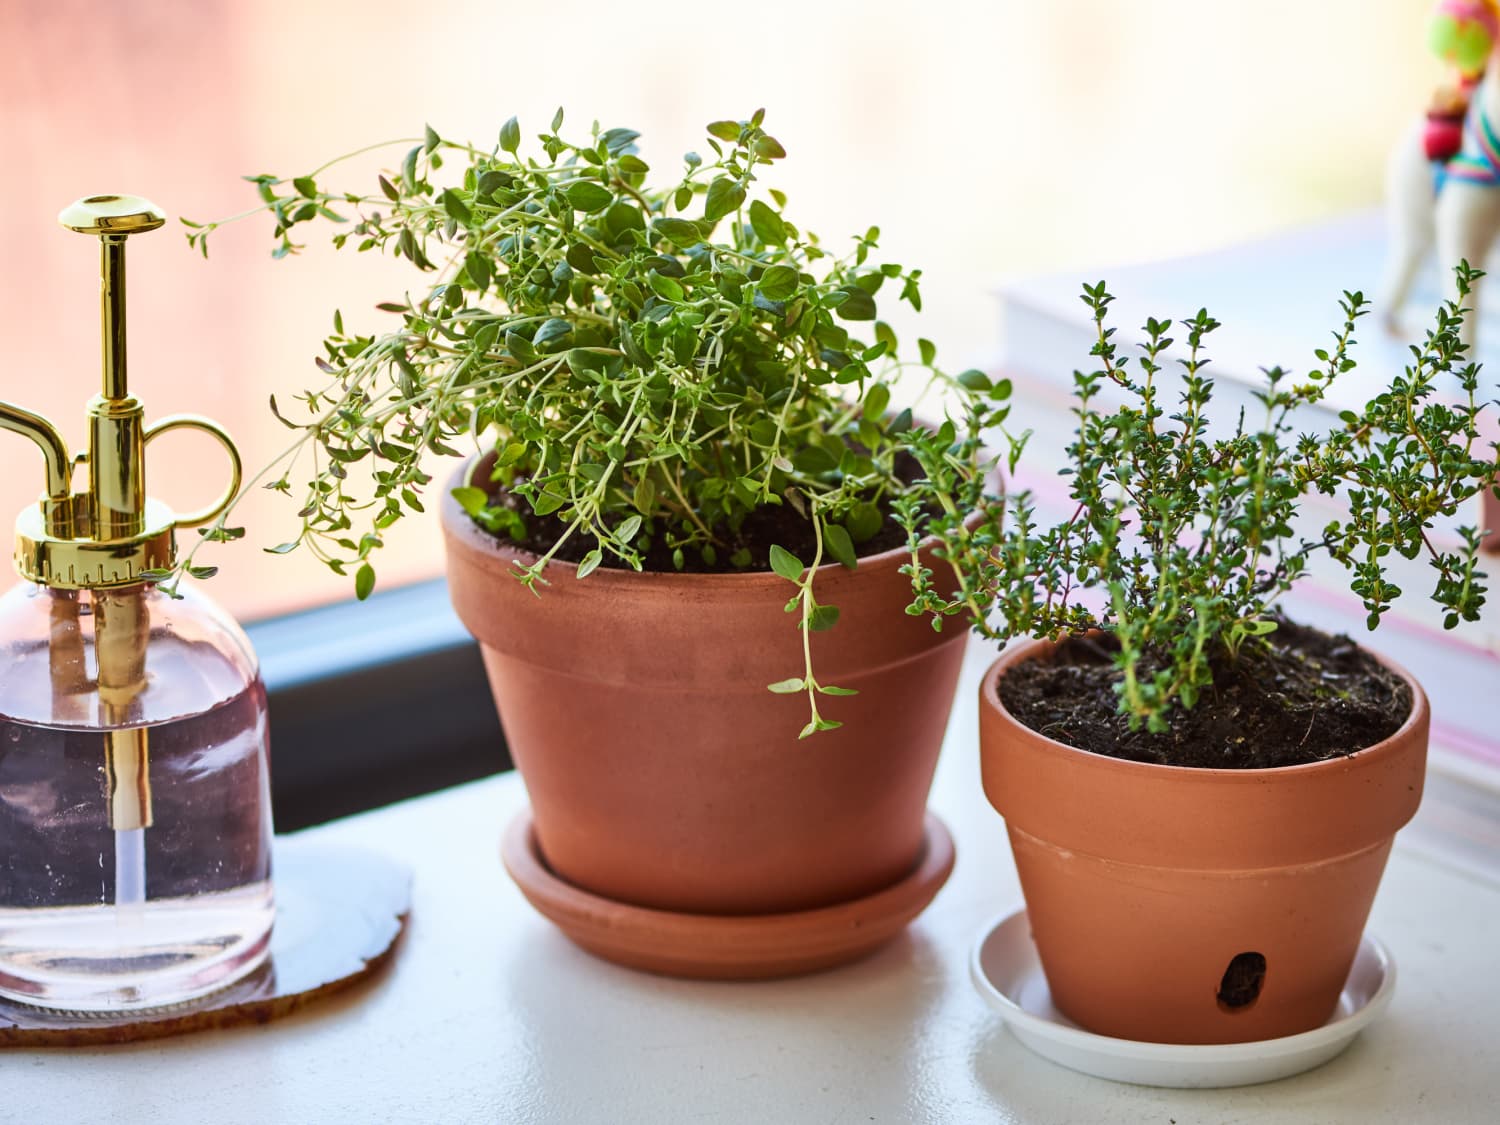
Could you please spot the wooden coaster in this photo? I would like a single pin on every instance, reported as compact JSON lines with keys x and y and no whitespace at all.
{"x":339,"y":914}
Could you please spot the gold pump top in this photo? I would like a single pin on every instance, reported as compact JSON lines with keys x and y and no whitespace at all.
{"x":110,"y":533}
{"x":111,"y":214}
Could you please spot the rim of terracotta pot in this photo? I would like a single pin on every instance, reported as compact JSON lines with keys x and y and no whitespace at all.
{"x":459,"y":524}
{"x":1028,"y":650}
{"x":1203,"y":818}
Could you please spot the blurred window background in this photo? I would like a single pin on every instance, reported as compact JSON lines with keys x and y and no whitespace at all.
{"x":986,"y":139}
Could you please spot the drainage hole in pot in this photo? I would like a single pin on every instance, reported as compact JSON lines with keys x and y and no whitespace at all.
{"x":1242,"y":981}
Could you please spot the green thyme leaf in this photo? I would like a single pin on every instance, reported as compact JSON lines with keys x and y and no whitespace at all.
{"x":786,"y":564}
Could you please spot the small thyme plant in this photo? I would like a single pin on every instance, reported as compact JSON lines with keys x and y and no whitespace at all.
{"x":1185,"y":536}
{"x":651,"y":364}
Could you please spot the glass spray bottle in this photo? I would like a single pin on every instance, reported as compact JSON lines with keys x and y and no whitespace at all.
{"x":135,"y":821}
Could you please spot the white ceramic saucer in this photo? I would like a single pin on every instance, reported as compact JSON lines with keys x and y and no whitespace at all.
{"x":1009,"y":976}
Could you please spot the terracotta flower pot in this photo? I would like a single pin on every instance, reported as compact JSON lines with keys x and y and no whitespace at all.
{"x":661,"y":771}
{"x":1143,"y":883}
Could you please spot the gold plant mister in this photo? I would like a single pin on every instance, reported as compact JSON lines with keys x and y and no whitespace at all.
{"x":108,"y":537}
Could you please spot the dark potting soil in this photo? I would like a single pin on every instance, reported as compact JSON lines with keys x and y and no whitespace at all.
{"x":1302,"y":697}
{"x":773,"y":525}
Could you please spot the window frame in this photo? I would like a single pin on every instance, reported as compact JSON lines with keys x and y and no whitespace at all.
{"x":373,"y":702}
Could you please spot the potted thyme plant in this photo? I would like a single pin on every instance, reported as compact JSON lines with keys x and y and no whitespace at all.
{"x":682,"y":399}
{"x":1200,"y":794}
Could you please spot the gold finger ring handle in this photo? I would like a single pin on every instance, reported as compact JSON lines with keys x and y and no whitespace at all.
{"x":236,"y":470}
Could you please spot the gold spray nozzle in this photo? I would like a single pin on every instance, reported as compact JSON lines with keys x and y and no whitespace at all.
{"x":49,"y":441}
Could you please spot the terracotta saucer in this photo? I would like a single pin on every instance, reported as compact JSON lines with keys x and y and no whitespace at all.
{"x":719,"y":946}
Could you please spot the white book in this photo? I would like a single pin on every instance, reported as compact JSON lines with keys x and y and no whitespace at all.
{"x":1277,"y":301}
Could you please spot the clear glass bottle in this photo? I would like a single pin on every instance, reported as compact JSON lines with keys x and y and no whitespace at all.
{"x":135,"y":815}
{"x":98,"y":919}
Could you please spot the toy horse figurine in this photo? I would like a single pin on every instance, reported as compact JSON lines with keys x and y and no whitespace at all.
{"x":1443,"y":184}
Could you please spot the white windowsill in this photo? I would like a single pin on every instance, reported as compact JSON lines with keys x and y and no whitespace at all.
{"x":490,"y":1015}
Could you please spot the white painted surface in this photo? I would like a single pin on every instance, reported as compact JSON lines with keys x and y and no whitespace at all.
{"x":491,"y":1016}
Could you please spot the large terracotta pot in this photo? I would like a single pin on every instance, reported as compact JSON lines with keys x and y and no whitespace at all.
{"x":1144,"y":882}
{"x":662,"y":773}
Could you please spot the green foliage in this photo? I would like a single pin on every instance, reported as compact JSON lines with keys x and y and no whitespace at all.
{"x":652,"y":363}
{"x":1187,"y":534}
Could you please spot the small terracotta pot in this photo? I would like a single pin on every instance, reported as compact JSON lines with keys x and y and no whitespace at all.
{"x":1144,"y":882}
{"x":661,"y":771}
